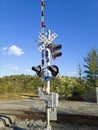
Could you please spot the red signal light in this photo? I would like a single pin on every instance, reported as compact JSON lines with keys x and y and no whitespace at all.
{"x":37,"y":70}
{"x":54,"y":70}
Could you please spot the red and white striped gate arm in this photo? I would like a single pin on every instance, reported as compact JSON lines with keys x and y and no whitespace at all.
{"x":42,"y":26}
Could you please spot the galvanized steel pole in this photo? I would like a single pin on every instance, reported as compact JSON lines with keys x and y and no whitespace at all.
{"x":48,"y":84}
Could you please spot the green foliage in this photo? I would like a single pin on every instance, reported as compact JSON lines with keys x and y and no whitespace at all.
{"x":65,"y":86}
{"x":19,"y":84}
{"x":91,"y":65}
{"x":68,"y":86}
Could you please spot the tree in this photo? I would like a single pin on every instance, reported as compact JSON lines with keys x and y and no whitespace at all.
{"x":91,"y":67}
{"x":80,"y":71}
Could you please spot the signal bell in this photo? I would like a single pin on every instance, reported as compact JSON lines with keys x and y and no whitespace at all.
{"x":54,"y":70}
{"x":37,"y":70}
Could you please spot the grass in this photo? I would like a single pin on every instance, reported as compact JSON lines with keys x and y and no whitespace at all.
{"x":22,"y":96}
{"x":7,"y":97}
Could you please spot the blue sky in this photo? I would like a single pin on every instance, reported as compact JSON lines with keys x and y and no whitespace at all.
{"x":75,"y":22}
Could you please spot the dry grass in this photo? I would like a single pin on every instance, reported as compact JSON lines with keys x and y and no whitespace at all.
{"x":7,"y":96}
{"x":21,"y":96}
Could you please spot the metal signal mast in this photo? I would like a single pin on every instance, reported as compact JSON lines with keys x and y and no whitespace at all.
{"x":46,"y":71}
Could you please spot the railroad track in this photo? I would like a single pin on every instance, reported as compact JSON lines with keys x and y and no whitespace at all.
{"x":62,"y":118}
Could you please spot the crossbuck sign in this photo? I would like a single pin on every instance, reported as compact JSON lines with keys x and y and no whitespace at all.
{"x":46,"y":41}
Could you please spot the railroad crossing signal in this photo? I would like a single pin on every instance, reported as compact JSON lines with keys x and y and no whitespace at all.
{"x":46,"y":43}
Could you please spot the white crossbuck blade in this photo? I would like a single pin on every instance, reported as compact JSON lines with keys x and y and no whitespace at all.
{"x":46,"y":41}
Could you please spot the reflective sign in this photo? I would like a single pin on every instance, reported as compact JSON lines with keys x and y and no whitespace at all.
{"x":46,"y":41}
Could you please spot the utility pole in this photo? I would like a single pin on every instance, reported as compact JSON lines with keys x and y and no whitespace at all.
{"x":46,"y":71}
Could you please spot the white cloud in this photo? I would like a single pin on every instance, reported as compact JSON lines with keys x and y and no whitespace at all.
{"x":28,"y":70}
{"x":12,"y":50}
{"x":15,"y":50}
{"x":14,"y":68}
{"x":11,"y":67}
{"x":73,"y":74}
{"x":4,"y":48}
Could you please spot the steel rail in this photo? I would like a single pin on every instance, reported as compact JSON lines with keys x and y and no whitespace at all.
{"x":62,"y":117}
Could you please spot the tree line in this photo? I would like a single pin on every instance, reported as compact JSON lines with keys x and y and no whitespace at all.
{"x":67,"y":87}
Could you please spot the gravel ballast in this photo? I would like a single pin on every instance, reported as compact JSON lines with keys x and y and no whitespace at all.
{"x":70,"y":107}
{"x":39,"y":125}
